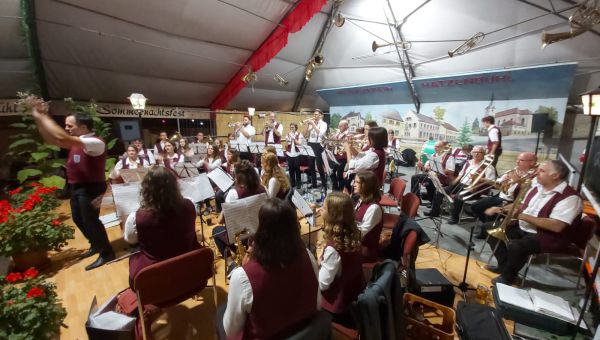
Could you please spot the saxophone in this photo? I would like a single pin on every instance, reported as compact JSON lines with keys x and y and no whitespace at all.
{"x":500,"y":232}
{"x":241,"y":249}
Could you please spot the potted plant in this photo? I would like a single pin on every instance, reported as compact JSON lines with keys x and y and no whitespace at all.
{"x":29,"y":227}
{"x":29,"y":307}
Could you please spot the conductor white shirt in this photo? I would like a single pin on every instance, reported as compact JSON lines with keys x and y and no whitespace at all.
{"x":317,"y":135}
{"x":240,"y":299}
{"x":251,"y":132}
{"x":565,"y":210}
{"x":92,"y":145}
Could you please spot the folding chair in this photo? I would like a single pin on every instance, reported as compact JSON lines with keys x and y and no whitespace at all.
{"x":396,"y":191}
{"x":410,"y":204}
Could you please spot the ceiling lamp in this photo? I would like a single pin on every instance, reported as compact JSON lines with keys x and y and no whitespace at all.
{"x":250,"y":78}
{"x":138,"y":101}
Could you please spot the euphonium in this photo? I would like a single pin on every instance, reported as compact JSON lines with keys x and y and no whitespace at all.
{"x":241,"y":249}
{"x":500,"y":232}
{"x":176,"y":137}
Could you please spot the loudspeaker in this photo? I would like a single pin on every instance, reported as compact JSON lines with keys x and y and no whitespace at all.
{"x":538,"y":124}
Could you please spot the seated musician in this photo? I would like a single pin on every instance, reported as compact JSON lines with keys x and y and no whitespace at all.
{"x":132,"y":161}
{"x":247,"y":183}
{"x":275,"y":293}
{"x":222,"y":149}
{"x":185,"y":151}
{"x":340,"y":276}
{"x":273,"y":178}
{"x":545,"y":221}
{"x":143,"y":152}
{"x":509,"y":183}
{"x":373,"y":159}
{"x":164,"y":225}
{"x":159,"y":147}
{"x":442,"y":163}
{"x":393,"y":142}
{"x":294,"y":138}
{"x":461,"y":156}
{"x":465,"y":178}
{"x":369,"y":214}
{"x":233,"y":157}
{"x":212,"y":159}
{"x":170,"y":157}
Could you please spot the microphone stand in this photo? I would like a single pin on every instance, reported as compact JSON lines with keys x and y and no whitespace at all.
{"x":464,"y":286}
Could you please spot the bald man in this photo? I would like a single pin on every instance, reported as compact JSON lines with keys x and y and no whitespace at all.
{"x":526,"y":162}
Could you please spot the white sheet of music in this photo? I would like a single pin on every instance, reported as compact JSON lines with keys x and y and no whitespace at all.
{"x":436,"y":165}
{"x":279,"y":150}
{"x":243,"y":214}
{"x":301,"y":204}
{"x":127,"y":198}
{"x":221,"y":179}
{"x":306,"y":150}
{"x":197,"y":188}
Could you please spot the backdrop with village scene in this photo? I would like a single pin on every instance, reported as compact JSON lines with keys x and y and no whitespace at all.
{"x":458,"y":121}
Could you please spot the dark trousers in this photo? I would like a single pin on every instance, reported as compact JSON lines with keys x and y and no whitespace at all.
{"x":436,"y":205}
{"x":219,"y":199}
{"x":318,"y":150}
{"x":496,"y":157}
{"x":415,"y":182}
{"x":220,"y":238}
{"x":247,"y":156}
{"x":478,"y":208}
{"x":86,"y":217}
{"x":337,"y":174}
{"x":294,"y":170}
{"x":512,"y":258}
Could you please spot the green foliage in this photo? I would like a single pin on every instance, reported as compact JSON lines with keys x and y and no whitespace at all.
{"x":465,"y":134}
{"x":53,"y":181}
{"x":335,"y":120}
{"x":552,"y":113}
{"x":368,"y":117}
{"x":29,"y":307}
{"x":24,"y":174}
{"x":439,"y":113}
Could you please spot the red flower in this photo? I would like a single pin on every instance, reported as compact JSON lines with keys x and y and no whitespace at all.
{"x":36,"y":184}
{"x":46,"y":190}
{"x":5,"y":205}
{"x":55,"y":222}
{"x":35,"y":292}
{"x":10,"y":302}
{"x":16,"y":191}
{"x":30,"y":273}
{"x":13,"y":277}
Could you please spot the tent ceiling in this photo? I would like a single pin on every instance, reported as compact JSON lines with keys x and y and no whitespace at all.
{"x":183,"y":52}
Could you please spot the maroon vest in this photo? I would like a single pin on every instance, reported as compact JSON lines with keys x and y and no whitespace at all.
{"x":552,"y":242}
{"x":167,"y":161}
{"x":289,"y":146}
{"x":159,"y":148}
{"x":381,"y":166}
{"x":393,"y":145}
{"x":284,"y":300}
{"x":83,"y":168}
{"x":276,"y":139}
{"x":243,"y":193}
{"x":345,"y":288}
{"x":370,"y":242}
{"x":444,"y":179}
{"x":162,"y":238}
{"x":126,"y":166}
{"x":489,"y":141}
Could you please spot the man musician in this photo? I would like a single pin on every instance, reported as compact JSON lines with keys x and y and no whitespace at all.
{"x":494,"y":143}
{"x":338,"y":158}
{"x":461,"y":156}
{"x":244,"y":133}
{"x":442,"y":163}
{"x":143,"y":152}
{"x":316,"y":129}
{"x":272,"y":130}
{"x":526,"y":163}
{"x":545,"y":222}
{"x":159,"y":147}
{"x":470,"y":171}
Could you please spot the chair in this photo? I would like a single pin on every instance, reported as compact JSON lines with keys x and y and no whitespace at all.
{"x":410,"y":204}
{"x":396,"y":190}
{"x":578,"y":250}
{"x":318,"y":329}
{"x":173,"y":281}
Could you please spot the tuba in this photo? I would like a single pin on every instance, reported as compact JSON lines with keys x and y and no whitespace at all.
{"x":176,"y":138}
{"x":500,"y":232}
{"x":585,"y":17}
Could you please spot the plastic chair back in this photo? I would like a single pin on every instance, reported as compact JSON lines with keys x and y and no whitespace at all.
{"x":410,"y":204}
{"x":397,"y":188}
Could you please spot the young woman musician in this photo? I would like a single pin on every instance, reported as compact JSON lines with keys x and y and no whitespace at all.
{"x":273,"y":178}
{"x":222,"y":149}
{"x":233,"y":157}
{"x":294,"y":138}
{"x":212,"y":159}
{"x":275,"y":293}
{"x":369,"y":214}
{"x":340,"y":276}
{"x":374,"y":158}
{"x":164,"y":225}
{"x":143,"y":152}
{"x":184,"y":150}
{"x":132,"y":161}
{"x":170,"y":157}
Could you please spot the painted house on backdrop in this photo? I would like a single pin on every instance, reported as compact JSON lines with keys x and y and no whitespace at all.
{"x":391,"y":120}
{"x":355,"y":121}
{"x":514,"y":121}
{"x":420,"y":127}
{"x":449,"y":132}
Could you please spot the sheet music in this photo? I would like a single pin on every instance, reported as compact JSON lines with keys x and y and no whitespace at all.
{"x":256,"y":147}
{"x":242,"y":214}
{"x":438,"y":185}
{"x":199,"y":148}
{"x":279,"y":150}
{"x":221,"y":179}
{"x":133,"y":175}
{"x":301,"y":204}
{"x":197,"y":188}
{"x":234,"y":145}
{"x":127,"y":198}
{"x":514,"y":296}
{"x":186,"y":170}
{"x":551,"y":305}
{"x":306,"y":150}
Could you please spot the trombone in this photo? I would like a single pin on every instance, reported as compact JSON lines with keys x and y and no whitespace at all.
{"x":477,"y":176}
{"x":467,"y":45}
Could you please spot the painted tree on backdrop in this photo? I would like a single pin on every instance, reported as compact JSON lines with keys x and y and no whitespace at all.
{"x":550,"y":110}
{"x":438,"y":113}
{"x":335,"y":120}
{"x":465,"y":133}
{"x":368,"y":117}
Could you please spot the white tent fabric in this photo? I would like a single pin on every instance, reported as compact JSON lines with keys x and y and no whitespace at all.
{"x":183,"y":52}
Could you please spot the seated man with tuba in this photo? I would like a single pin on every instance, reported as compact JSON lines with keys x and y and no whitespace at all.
{"x":509,"y":185}
{"x":468,"y":180}
{"x":544,"y":222}
{"x":442,"y":162}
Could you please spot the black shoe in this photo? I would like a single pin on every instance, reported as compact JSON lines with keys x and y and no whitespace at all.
{"x":100,"y":261}
{"x":501,"y":279}
{"x":481,"y":235}
{"x":430,"y":214}
{"x":88,"y":253}
{"x":493,"y":269}
{"x":452,"y":220}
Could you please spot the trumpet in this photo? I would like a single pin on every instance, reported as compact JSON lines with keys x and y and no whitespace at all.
{"x":504,"y":185}
{"x":233,"y":124}
{"x":302,"y":122}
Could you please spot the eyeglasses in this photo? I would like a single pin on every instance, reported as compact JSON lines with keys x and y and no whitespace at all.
{"x":524,"y":160}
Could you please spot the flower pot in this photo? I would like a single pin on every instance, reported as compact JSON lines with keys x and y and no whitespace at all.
{"x":30,"y":259}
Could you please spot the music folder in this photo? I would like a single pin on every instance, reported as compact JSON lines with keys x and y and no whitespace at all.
{"x":242,"y":214}
{"x":301,"y":204}
{"x":221,"y":179}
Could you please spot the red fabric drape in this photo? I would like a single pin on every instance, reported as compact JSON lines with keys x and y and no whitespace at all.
{"x":292,"y":23}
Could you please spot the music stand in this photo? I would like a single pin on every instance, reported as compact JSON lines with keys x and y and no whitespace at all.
{"x":234,"y":145}
{"x":306,"y":150}
{"x":279,"y":150}
{"x":256,"y":148}
{"x":186,"y":170}
{"x":300,"y":203}
{"x":446,"y":199}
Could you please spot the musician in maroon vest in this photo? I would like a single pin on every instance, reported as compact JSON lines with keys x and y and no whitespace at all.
{"x":85,"y":174}
{"x":369,"y":214}
{"x":273,"y":178}
{"x":272,"y":130}
{"x":165,"y":224}
{"x":159,"y":147}
{"x":547,"y":220}
{"x":338,"y":158}
{"x":275,"y":293}
{"x":131,"y":161}
{"x":374,"y":158}
{"x":340,"y":276}
{"x":494,"y":143}
{"x":233,"y":157}
{"x":143,"y":153}
{"x":294,"y":138}
{"x":442,"y":163}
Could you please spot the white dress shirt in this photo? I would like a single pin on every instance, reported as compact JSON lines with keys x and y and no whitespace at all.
{"x":317,"y":135}
{"x":270,"y":135}
{"x":92,"y":145}
{"x":150,"y":158}
{"x":331,"y":267}
{"x":493,"y":133}
{"x":292,"y":141}
{"x":132,"y":165}
{"x":510,"y":194}
{"x":565,"y":210}
{"x":273,"y":187}
{"x":211,"y":164}
{"x":363,"y":161}
{"x":372,"y":217}
{"x":470,"y":168}
{"x":240,"y":298}
{"x":162,"y":145}
{"x":251,"y":132}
